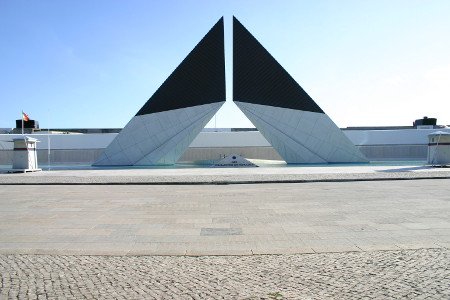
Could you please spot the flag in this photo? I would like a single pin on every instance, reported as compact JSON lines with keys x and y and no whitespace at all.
{"x":25,"y":117}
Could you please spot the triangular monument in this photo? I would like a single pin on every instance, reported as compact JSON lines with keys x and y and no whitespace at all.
{"x":169,"y":121}
{"x":281,"y":110}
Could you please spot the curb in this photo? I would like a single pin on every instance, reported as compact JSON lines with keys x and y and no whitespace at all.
{"x":228,"y":182}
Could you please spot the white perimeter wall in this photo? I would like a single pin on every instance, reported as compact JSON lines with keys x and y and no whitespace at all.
{"x":391,"y":137}
{"x":63,"y":141}
{"x":225,"y":139}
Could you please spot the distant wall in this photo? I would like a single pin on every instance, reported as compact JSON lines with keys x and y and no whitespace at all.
{"x":390,"y":137}
{"x":64,"y":148}
{"x":395,"y":152}
{"x":63,"y":141}
{"x":377,"y":145}
{"x":75,"y":156}
{"x":392,"y":145}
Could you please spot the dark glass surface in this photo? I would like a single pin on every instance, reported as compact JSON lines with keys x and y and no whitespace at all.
{"x":198,"y":80}
{"x":259,"y":79}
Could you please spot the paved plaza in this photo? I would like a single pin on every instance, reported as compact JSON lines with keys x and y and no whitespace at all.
{"x":244,"y":219}
{"x":386,"y":239}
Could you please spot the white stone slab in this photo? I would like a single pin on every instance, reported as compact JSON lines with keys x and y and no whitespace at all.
{"x":314,"y":139}
{"x":158,"y":138}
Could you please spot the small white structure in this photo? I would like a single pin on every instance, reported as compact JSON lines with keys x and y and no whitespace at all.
{"x":439,"y":148}
{"x":234,"y":160}
{"x":24,"y":157}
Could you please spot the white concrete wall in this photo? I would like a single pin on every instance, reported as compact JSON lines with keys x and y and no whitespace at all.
{"x":406,"y":144}
{"x":391,"y":137}
{"x":63,"y":141}
{"x":228,"y":139}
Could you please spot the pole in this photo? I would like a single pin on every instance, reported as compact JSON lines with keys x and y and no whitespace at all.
{"x":21,"y":117}
{"x":48,"y":150}
{"x":48,"y":141}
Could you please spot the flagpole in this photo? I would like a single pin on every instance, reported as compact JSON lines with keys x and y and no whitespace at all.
{"x":22,"y":121}
{"x":48,"y":148}
{"x":48,"y":142}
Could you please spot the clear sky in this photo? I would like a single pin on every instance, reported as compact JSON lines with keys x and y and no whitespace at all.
{"x":93,"y":64}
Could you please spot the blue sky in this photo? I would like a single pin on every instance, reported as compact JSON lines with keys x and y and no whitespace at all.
{"x":93,"y":64}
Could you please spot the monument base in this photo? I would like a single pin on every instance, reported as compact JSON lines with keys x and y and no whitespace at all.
{"x":23,"y":170}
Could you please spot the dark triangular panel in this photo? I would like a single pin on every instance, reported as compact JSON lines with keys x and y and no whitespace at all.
{"x":198,"y":80}
{"x":259,"y":79}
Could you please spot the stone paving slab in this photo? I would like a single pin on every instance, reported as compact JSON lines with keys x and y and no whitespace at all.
{"x":247,"y":219}
{"x":226,"y":175}
{"x":406,"y":274}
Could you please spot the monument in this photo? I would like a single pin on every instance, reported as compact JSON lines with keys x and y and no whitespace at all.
{"x":281,"y":110}
{"x":290,"y":120}
{"x":169,"y":121}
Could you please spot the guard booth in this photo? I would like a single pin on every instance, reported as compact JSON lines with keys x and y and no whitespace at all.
{"x":439,"y":148}
{"x":24,"y":155}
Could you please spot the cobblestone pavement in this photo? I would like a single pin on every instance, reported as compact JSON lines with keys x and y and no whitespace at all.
{"x":407,"y":274}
